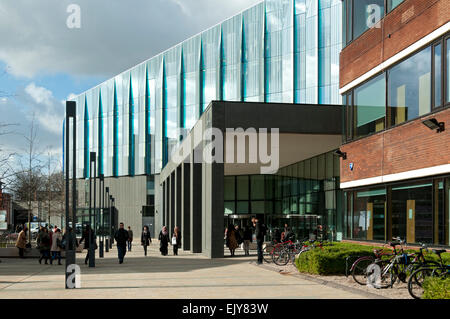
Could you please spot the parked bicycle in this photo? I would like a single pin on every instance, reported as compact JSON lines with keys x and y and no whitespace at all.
{"x":420,"y":275}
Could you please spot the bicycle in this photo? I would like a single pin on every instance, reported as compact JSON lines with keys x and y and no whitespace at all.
{"x":418,"y":277}
{"x":270,"y":250}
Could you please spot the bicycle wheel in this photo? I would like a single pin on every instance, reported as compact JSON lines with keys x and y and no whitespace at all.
{"x":267,"y":254}
{"x":282,"y":259}
{"x":416,"y":280}
{"x":359,"y":271}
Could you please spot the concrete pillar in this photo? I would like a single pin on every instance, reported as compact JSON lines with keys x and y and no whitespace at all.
{"x":178,"y":189}
{"x":196,"y":207}
{"x":186,"y":206}
{"x":172,"y":204}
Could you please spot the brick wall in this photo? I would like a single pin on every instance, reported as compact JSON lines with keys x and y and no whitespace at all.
{"x":406,"y":147}
{"x":408,"y":23}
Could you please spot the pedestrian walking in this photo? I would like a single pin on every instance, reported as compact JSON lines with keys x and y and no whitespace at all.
{"x":260,"y":232}
{"x":247,"y":240}
{"x":130,"y":238}
{"x":176,"y":240}
{"x":85,"y":238}
{"x":163,"y":241}
{"x":146,"y":239}
{"x":56,"y":246}
{"x":21,"y":242}
{"x":232,"y":243}
{"x":121,"y":237}
{"x":43,"y":242}
{"x":68,"y":239}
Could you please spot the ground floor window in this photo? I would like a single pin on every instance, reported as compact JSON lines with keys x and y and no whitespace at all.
{"x":416,"y":211}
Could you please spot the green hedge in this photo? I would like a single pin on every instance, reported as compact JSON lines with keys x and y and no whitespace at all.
{"x":436,"y":288}
{"x":331,"y":259}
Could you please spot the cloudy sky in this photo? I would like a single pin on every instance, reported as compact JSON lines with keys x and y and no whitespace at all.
{"x":43,"y":61}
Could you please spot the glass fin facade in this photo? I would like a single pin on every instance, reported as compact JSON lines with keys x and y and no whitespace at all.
{"x":276,"y":51}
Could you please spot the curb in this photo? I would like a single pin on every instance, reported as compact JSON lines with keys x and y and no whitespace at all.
{"x":327,"y":283}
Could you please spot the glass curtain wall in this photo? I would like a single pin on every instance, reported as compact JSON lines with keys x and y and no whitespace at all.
{"x":275,"y":51}
{"x":302,"y":195}
{"x":416,"y":211}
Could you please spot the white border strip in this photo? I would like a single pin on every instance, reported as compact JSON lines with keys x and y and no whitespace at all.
{"x":399,"y":56}
{"x":429,"y":171}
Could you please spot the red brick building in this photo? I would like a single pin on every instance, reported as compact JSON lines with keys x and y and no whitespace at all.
{"x":394,"y":77}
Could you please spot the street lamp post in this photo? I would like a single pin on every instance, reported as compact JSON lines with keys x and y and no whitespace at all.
{"x":91,"y":241}
{"x":109,"y":222}
{"x":102,"y":205}
{"x":70,"y":235}
{"x":111,"y":230}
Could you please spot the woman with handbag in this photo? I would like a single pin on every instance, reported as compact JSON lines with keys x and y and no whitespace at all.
{"x":176,"y":240}
{"x":146,"y":239}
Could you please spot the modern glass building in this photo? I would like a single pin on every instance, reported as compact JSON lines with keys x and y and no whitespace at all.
{"x":283,"y":51}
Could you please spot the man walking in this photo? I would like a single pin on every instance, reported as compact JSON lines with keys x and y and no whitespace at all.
{"x":260,"y":231}
{"x":121,"y":237}
{"x":130,"y":238}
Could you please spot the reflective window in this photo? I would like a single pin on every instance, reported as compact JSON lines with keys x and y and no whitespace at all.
{"x":392,"y":4}
{"x":369,"y":214}
{"x":437,"y":75}
{"x":412,"y":212}
{"x":448,"y":71}
{"x":366,"y":14}
{"x":369,"y":107}
{"x":409,"y":87}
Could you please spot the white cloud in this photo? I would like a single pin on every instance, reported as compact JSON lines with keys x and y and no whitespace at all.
{"x":39,"y":94}
{"x":114,"y":35}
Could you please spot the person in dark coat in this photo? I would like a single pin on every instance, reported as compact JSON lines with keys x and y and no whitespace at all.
{"x":85,"y":238}
{"x":146,"y":239}
{"x":163,"y":241}
{"x":177,"y":235}
{"x":260,"y":232}
{"x":121,"y":237}
{"x":44,"y":242}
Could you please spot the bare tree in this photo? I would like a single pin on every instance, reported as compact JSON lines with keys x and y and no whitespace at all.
{"x":28,"y":183}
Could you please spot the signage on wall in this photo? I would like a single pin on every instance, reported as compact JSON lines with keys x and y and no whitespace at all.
{"x":351,"y":165}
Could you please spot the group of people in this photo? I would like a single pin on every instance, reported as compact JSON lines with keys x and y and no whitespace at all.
{"x":50,"y":243}
{"x":234,"y":237}
{"x":164,"y":241}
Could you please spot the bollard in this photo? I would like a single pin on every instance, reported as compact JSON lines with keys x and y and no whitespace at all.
{"x":107,"y":245}
{"x":101,"y":249}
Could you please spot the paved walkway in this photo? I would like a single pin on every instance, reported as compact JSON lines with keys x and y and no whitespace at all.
{"x":187,"y":276}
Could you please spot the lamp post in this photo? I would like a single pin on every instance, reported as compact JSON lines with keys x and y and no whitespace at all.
{"x":109,"y":222}
{"x":102,"y":205}
{"x":91,"y":242}
{"x":70,"y":233}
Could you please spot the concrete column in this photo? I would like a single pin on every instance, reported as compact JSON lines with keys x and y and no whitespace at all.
{"x":185,"y":206}
{"x":178,"y":189}
{"x":196,"y":207}
{"x":172,"y":204}
{"x":164,"y":206}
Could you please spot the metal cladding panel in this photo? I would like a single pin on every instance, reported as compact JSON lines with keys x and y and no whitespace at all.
{"x":275,"y":51}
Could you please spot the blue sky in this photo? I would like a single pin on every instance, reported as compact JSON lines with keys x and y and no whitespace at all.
{"x":43,"y":62}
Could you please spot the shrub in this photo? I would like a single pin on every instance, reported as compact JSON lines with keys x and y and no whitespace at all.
{"x":331,"y":260}
{"x":436,"y":288}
